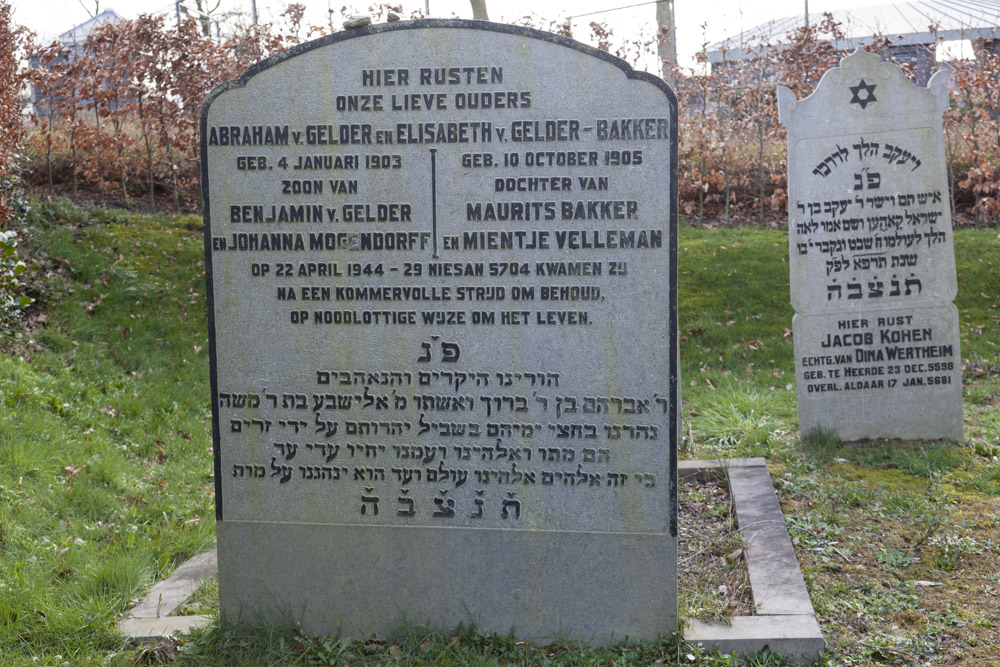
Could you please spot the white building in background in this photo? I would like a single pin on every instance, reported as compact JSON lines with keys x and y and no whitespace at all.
{"x":77,"y":34}
{"x":921,"y":34}
{"x":73,"y":40}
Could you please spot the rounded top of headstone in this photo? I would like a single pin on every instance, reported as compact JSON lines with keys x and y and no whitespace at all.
{"x":857,"y":91}
{"x":362,"y":27}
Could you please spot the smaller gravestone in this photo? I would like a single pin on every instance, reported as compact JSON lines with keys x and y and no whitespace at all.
{"x":871,"y":257}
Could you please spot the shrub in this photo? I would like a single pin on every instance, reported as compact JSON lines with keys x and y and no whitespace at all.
{"x":12,"y":39}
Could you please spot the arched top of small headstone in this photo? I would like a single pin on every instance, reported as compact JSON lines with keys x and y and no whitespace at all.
{"x":864,"y":90}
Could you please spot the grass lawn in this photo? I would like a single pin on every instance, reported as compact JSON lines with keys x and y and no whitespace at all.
{"x":106,"y":463}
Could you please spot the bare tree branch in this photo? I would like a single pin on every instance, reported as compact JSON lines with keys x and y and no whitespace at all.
{"x":97,"y":8}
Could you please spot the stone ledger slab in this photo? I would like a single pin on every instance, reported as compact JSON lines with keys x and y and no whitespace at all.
{"x":871,"y":256}
{"x":442,"y":288}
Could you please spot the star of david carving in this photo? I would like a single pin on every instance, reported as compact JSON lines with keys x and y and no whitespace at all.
{"x":863,"y":93}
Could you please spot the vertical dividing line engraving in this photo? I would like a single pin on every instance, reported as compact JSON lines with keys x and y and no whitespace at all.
{"x":434,"y":210}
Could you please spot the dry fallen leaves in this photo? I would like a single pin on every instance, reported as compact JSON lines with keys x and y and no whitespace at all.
{"x":374,"y":645}
{"x":71,"y":472}
{"x":92,"y":306}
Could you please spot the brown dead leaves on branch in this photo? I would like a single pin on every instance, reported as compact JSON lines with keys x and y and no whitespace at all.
{"x":123,"y":106}
{"x":732,"y":148}
{"x":120,"y":113}
{"x":13,"y":39}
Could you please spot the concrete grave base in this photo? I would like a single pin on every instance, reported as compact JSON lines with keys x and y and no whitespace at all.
{"x":561,"y":586}
{"x":785,"y":621}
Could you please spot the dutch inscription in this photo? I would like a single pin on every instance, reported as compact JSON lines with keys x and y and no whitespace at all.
{"x":427,"y":281}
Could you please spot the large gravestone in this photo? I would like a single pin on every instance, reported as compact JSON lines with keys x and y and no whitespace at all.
{"x":442,"y":289}
{"x":871,"y":257}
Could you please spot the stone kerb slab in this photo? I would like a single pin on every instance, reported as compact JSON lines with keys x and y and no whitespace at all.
{"x":151,"y":619}
{"x":442,"y":291}
{"x":784,"y":619}
{"x":871,"y":255}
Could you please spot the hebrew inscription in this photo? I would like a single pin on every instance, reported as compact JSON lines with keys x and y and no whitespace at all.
{"x":875,"y":230}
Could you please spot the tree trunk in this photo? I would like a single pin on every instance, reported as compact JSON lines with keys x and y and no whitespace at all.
{"x":950,"y":162}
{"x":121,"y":173}
{"x":149,"y":154}
{"x":48,"y":162}
{"x":479,"y":10}
{"x":761,"y":175}
{"x":761,"y":136}
{"x":48,"y":147}
{"x":666,"y":40}
{"x":72,"y":148}
{"x":725,"y":184}
{"x":703,"y":152}
{"x":120,"y":150}
{"x":165,"y":141}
